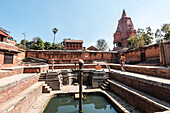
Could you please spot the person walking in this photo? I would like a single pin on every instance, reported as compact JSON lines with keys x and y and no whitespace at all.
{"x":122,"y":62}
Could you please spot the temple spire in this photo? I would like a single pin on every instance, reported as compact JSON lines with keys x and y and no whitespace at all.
{"x":124,"y":13}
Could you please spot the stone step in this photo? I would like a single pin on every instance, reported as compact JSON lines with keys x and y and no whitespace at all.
{"x":106,"y":82}
{"x":22,"y":101}
{"x":157,"y":71}
{"x":11,"y":86}
{"x":154,"y":86}
{"x":41,"y":80}
{"x":104,"y":88}
{"x":105,"y":85}
{"x":140,"y":100}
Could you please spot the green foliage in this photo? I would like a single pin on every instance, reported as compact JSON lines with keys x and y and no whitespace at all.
{"x":102,"y":44}
{"x":47,"y":45}
{"x":55,"y":30}
{"x":38,"y":44}
{"x":143,"y":37}
{"x":163,"y":33}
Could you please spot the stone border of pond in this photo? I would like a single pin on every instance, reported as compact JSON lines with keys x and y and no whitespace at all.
{"x":118,"y":107}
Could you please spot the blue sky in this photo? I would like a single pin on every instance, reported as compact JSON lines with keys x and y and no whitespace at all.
{"x":87,"y":20}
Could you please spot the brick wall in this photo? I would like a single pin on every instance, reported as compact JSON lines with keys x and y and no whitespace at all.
{"x":151,"y":53}
{"x":72,"y":56}
{"x":12,"y":91}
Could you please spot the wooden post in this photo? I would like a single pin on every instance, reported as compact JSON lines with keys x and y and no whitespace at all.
{"x":81,"y":62}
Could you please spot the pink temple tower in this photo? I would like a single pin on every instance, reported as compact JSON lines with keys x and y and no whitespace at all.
{"x":124,"y":30}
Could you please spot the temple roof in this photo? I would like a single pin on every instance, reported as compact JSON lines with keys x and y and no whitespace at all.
{"x":124,"y":13}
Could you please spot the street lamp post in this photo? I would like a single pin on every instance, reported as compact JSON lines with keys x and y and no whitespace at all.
{"x":81,"y":62}
{"x":24,"y":39}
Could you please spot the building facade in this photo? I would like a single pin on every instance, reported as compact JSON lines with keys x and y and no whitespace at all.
{"x":124,"y":30}
{"x":73,"y":44}
{"x":8,"y":51}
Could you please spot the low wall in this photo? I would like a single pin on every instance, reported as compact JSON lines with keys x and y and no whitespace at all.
{"x":72,"y":56}
{"x":151,"y":54}
{"x":6,"y":72}
{"x":72,"y":66}
{"x":34,"y":69}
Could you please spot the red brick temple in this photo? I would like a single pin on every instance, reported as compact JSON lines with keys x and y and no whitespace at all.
{"x":124,"y":30}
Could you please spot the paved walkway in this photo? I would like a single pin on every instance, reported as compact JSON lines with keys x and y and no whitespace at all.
{"x":146,"y":77}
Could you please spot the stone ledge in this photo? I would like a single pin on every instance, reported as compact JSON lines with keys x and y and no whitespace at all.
{"x":148,"y":70}
{"x":157,"y":87}
{"x":12,"y":81}
{"x":138,"y":99}
{"x":22,"y":101}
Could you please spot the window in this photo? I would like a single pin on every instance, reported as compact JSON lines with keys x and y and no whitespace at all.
{"x":70,"y":45}
{"x":77,"y":45}
{"x":80,"y":45}
{"x":73,"y":44}
{"x":67,"y":44}
{"x":8,"y":58}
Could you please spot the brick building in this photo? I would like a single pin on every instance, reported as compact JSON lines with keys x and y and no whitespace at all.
{"x":73,"y":44}
{"x":92,"y":48}
{"x":124,"y":30}
{"x":5,"y":37}
{"x":8,"y":51}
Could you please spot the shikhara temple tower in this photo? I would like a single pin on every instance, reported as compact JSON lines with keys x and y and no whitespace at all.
{"x":124,"y":30}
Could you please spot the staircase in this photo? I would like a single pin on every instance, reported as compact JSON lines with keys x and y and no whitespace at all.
{"x":105,"y":85}
{"x":146,"y":93}
{"x":46,"y":89}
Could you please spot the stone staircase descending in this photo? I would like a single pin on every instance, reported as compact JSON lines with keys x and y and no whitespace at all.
{"x":18,"y":90}
{"x":46,"y":88}
{"x":52,"y":81}
{"x":105,"y":85}
{"x":147,"y":93}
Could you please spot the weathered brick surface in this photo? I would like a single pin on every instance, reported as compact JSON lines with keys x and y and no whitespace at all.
{"x":26,"y":102}
{"x":33,"y":69}
{"x":11,"y":72}
{"x":140,"y":103}
{"x":67,"y":57}
{"x":8,"y":93}
{"x":151,"y":52}
{"x":146,"y":86}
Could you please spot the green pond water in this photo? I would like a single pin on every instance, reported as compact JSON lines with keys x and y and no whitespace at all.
{"x":92,"y":104}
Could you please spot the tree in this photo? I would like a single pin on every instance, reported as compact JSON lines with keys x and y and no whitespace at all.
{"x":37,"y":44}
{"x":55,"y":30}
{"x":47,"y":45}
{"x":102,"y":44}
{"x":163,"y":33}
{"x":143,"y":37}
{"x":24,"y":43}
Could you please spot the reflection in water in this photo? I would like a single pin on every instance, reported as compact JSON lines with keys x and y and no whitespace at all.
{"x":92,"y":104}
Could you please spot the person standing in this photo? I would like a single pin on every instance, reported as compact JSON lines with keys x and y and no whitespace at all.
{"x":122,"y":62}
